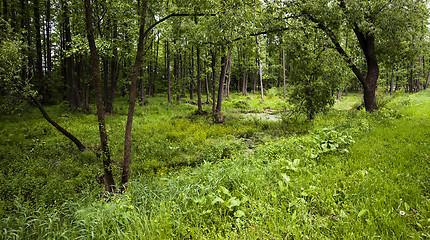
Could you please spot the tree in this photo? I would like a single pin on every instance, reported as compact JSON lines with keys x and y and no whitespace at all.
{"x":95,"y":70}
{"x":371,"y":22}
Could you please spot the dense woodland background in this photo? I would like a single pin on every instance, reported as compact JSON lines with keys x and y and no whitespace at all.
{"x":195,"y":76}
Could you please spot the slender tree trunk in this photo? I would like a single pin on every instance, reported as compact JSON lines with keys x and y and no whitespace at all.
{"x":150,"y":71}
{"x":419,"y":75}
{"x":283,"y":67}
{"x":199,"y":81}
{"x":114,"y":72}
{"x":244,"y":85}
{"x":70,"y":136}
{"x":411,"y":79}
{"x":213,"y":81}
{"x":192,"y":75}
{"x":224,"y":63}
{"x":106,"y":89}
{"x":95,"y":70}
{"x":227,"y":89}
{"x":69,"y":68}
{"x":255,"y":77}
{"x":133,"y":78}
{"x":155,"y":66}
{"x":207,"y":85}
{"x":392,"y":82}
{"x":48,"y":39}
{"x":76,"y":95}
{"x":39,"y":68}
{"x":261,"y":69}
{"x":169,"y":97}
{"x":428,"y":80}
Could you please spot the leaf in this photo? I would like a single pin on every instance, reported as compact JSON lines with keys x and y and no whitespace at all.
{"x":239,"y":214}
{"x":225,"y":191}
{"x":200,"y":200}
{"x":362,"y":212}
{"x":216,"y":200}
{"x":233,"y":202}
{"x":343,"y":214}
{"x":285,"y":177}
{"x":407,"y":207}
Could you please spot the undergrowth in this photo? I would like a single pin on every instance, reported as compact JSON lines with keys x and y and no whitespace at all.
{"x":345,"y":175}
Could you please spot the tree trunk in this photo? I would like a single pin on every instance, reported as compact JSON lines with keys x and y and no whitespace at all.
{"x":213,"y":81}
{"x":95,"y":70}
{"x":78,"y":143}
{"x":106,"y":89}
{"x":207,"y":84}
{"x":261,"y":70}
{"x":48,"y":39}
{"x":133,"y":80}
{"x":392,"y":82}
{"x":192,"y":75}
{"x":169,"y":97}
{"x":419,"y":75}
{"x":69,"y":68}
{"x":428,"y":80}
{"x":199,"y":81}
{"x":224,"y":63}
{"x":283,"y":67}
{"x":227,"y":88}
{"x":150,"y":71}
{"x":244,"y":85}
{"x":114,"y":72}
{"x":39,"y":68}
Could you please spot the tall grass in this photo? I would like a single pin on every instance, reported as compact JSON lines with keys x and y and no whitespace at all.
{"x":352,"y":175}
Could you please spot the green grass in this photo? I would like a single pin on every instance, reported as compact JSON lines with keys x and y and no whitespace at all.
{"x":345,"y":175}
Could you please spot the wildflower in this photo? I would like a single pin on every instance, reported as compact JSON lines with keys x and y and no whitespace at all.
{"x":131,"y":207}
{"x":155,"y":220}
{"x":402,"y":213}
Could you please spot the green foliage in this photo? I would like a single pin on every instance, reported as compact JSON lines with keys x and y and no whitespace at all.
{"x":353,"y":175}
{"x":12,"y":87}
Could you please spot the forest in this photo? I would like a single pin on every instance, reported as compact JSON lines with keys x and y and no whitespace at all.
{"x":214,"y":119}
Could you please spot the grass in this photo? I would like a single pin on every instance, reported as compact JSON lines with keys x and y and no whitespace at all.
{"x":345,"y":175}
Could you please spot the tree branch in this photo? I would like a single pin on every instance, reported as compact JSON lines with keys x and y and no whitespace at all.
{"x":174,"y":15}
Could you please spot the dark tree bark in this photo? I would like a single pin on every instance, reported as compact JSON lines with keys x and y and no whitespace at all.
{"x":207,"y":85}
{"x":155,"y":67}
{"x":392,"y":82}
{"x":114,"y":71}
{"x":70,"y":65}
{"x":177,"y":73}
{"x":192,"y":75}
{"x":224,"y":63}
{"x":39,"y":68}
{"x":133,"y":89}
{"x":106,"y":89}
{"x":150,"y":72}
{"x":261,"y":70}
{"x":95,"y":70}
{"x":244,"y":85}
{"x":199,"y":81}
{"x":169,"y":97}
{"x":283,"y":71}
{"x":419,"y":75}
{"x":70,"y":136}
{"x":428,"y":80}
{"x":48,"y":39}
{"x":213,"y":63}
{"x":227,"y":88}
{"x":367,"y":45}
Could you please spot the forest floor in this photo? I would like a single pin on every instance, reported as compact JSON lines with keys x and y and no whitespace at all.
{"x":265,"y":173}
